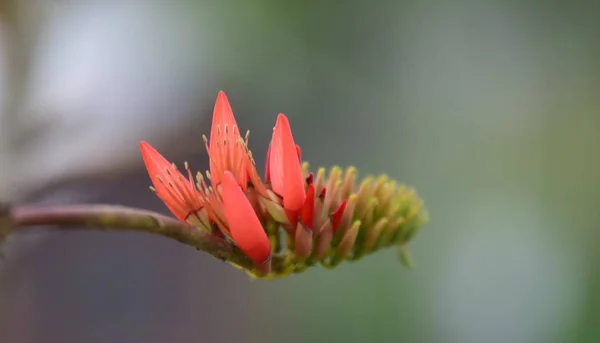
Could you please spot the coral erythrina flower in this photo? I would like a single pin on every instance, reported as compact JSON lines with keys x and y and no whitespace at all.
{"x":324,"y":218}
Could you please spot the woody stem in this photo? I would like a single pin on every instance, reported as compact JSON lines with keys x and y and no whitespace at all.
{"x":120,"y":218}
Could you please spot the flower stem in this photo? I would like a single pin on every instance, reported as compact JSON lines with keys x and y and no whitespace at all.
{"x":120,"y":218}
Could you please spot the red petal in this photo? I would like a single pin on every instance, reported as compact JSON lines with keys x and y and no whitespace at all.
{"x":246,"y":229}
{"x":225,"y":149}
{"x":336,"y":217}
{"x":308,"y":210}
{"x":174,"y":189}
{"x":286,"y":172}
{"x":275,"y":156}
{"x":310,"y":179}
{"x":323,"y":193}
{"x":292,"y":217}
{"x":222,"y":116}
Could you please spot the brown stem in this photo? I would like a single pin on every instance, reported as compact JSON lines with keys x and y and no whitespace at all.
{"x":109,"y":217}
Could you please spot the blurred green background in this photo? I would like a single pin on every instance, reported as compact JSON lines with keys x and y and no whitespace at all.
{"x":490,"y":109}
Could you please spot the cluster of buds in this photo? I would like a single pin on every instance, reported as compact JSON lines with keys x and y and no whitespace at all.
{"x":304,"y":217}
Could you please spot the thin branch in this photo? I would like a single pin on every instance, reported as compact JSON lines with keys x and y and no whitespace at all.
{"x":120,"y":218}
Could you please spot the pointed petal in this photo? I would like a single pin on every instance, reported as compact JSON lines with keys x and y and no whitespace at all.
{"x":178,"y":193}
{"x":222,"y":116}
{"x":292,"y":218}
{"x":337,"y":215}
{"x":286,"y":172}
{"x":276,"y":161}
{"x":346,"y":215}
{"x":323,"y":193}
{"x":310,"y":179}
{"x":246,"y":229}
{"x":226,"y":148}
{"x":308,"y":210}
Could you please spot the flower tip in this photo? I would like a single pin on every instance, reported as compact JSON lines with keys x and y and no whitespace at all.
{"x":222,"y":108}
{"x":152,"y":158}
{"x":282,"y":119}
{"x":221,"y":96}
{"x":144,"y":146}
{"x":336,"y":216}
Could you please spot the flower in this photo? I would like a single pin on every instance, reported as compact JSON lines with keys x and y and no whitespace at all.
{"x":231,"y":210}
{"x":325,"y":218}
{"x":285,"y":169}
{"x":177,"y":192}
{"x":226,"y":150}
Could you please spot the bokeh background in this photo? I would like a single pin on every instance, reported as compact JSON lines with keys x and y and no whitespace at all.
{"x":490,"y":109}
